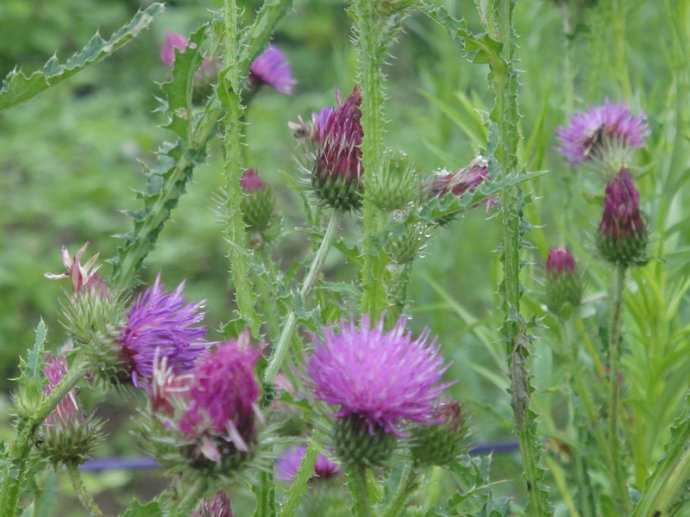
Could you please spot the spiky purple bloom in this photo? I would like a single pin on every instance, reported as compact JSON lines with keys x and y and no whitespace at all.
{"x":273,"y":69}
{"x":622,"y":234}
{"x":289,"y":463}
{"x":337,"y":173}
{"x":172,"y":41}
{"x":222,"y":397}
{"x":216,"y":506}
{"x":160,"y":324}
{"x":592,"y":132}
{"x":382,"y":377}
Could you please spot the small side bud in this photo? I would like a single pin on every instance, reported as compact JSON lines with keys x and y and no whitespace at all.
{"x":563,"y":286}
{"x":397,"y":186}
{"x":441,"y":442}
{"x":216,"y":506}
{"x":258,"y":206}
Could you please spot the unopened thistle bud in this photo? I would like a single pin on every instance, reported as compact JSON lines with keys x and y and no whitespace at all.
{"x":336,"y":178}
{"x":622,"y":235}
{"x":67,"y":435}
{"x":458,"y":183}
{"x":563,"y":286}
{"x":441,"y":442}
{"x":257,"y":205}
{"x":397,"y":186}
{"x":216,"y":506}
{"x":92,"y":314}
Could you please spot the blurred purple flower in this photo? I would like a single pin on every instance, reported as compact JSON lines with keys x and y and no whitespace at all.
{"x":273,"y":69}
{"x":172,"y":41}
{"x":250,"y":181}
{"x":289,"y":463}
{"x":160,"y":324}
{"x":591,"y":132}
{"x":560,"y":260}
{"x":382,"y":377}
{"x":222,"y":397}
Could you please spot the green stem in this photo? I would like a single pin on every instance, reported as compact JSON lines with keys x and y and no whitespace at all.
{"x":281,"y":348}
{"x":357,"y":482}
{"x":614,"y":406}
{"x":408,"y":483}
{"x":669,"y":478}
{"x":16,"y":468}
{"x":85,"y":498}
{"x":371,"y":57}
{"x":230,"y":82}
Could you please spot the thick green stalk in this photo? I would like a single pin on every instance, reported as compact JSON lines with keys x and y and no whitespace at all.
{"x":370,"y":56}
{"x":505,"y":115}
{"x":357,"y":482}
{"x":85,"y":498}
{"x":281,"y":348}
{"x":408,"y":483}
{"x":614,"y":406}
{"x":20,"y":449}
{"x":230,"y":82}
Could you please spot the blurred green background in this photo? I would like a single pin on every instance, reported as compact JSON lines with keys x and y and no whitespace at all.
{"x":69,"y":166}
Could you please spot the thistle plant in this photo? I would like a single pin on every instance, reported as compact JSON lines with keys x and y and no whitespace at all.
{"x":307,"y":380}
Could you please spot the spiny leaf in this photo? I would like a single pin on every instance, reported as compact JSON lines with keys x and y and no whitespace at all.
{"x":17,"y":87}
{"x":35,"y":359}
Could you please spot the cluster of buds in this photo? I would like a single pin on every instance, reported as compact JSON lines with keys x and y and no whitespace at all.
{"x":258,"y":206}
{"x":67,"y":434}
{"x":563,"y":286}
{"x":211,"y":411}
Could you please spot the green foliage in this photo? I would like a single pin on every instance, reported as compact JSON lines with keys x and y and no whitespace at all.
{"x":17,"y":87}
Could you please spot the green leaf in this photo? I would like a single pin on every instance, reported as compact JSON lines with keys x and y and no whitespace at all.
{"x":136,"y":509}
{"x":17,"y":87}
{"x":35,"y":359}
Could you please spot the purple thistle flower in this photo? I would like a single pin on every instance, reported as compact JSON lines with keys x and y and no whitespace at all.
{"x":319,"y":122}
{"x":160,"y":324}
{"x":382,"y":377}
{"x":622,"y":234}
{"x":172,"y":41}
{"x":592,"y":132}
{"x":288,"y":465}
{"x":216,"y":506}
{"x":222,"y":397}
{"x":68,"y":411}
{"x":563,"y":285}
{"x":273,"y":69}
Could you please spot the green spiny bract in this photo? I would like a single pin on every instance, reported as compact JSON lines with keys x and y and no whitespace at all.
{"x":441,"y":442}
{"x":397,"y":186}
{"x":354,"y":445}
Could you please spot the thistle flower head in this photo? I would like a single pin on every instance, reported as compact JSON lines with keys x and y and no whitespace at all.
{"x":172,"y":41}
{"x":337,"y":173}
{"x":383,"y":377}
{"x":622,"y":235}
{"x":216,"y":506}
{"x":593,"y":133}
{"x":160,"y":324}
{"x":289,"y":463}
{"x":273,"y":69}
{"x":563,"y":285}
{"x":82,"y":276}
{"x":258,"y":206}
{"x":68,"y":410}
{"x":223,"y":399}
{"x":251,"y":182}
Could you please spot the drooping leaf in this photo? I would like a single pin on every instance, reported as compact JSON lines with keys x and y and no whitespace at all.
{"x":18,"y":87}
